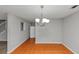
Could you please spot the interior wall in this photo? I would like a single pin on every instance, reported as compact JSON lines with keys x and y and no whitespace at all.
{"x":51,"y":32}
{"x":71,"y":32}
{"x":15,"y":35}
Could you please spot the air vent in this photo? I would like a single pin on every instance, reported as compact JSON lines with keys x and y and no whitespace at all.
{"x":74,"y":6}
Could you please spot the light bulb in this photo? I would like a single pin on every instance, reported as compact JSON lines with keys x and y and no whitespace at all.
{"x":44,"y":20}
{"x":47,"y":21}
{"x":37,"y":20}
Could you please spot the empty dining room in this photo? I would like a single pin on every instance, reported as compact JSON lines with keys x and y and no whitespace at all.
{"x":41,"y":29}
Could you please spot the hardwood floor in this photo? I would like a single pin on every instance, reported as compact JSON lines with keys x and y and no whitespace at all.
{"x":29,"y":47}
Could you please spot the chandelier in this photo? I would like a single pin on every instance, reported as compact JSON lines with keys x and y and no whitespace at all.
{"x":43,"y":20}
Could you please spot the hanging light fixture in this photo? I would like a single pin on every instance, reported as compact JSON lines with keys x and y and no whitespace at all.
{"x":42,"y":21}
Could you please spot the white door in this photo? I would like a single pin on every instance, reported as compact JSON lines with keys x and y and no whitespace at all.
{"x":32,"y":32}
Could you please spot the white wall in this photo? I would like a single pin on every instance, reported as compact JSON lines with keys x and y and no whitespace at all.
{"x":3,"y":16}
{"x":52,"y":32}
{"x":71,"y":32}
{"x":15,"y":35}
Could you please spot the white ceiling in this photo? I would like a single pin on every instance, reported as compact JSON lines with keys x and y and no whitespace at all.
{"x":30,"y":12}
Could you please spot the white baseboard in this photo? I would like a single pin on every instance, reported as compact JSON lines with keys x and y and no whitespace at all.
{"x":69,"y":48}
{"x":16,"y":47}
{"x":48,"y":42}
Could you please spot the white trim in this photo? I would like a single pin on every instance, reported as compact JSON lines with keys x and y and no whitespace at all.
{"x":48,"y":42}
{"x":69,"y":48}
{"x":16,"y":47}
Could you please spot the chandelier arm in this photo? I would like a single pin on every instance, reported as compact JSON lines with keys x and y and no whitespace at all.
{"x":41,"y":13}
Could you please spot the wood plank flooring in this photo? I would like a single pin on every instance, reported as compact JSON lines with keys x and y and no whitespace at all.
{"x":29,"y":47}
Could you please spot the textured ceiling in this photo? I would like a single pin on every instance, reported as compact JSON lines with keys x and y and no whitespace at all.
{"x":30,"y":12}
